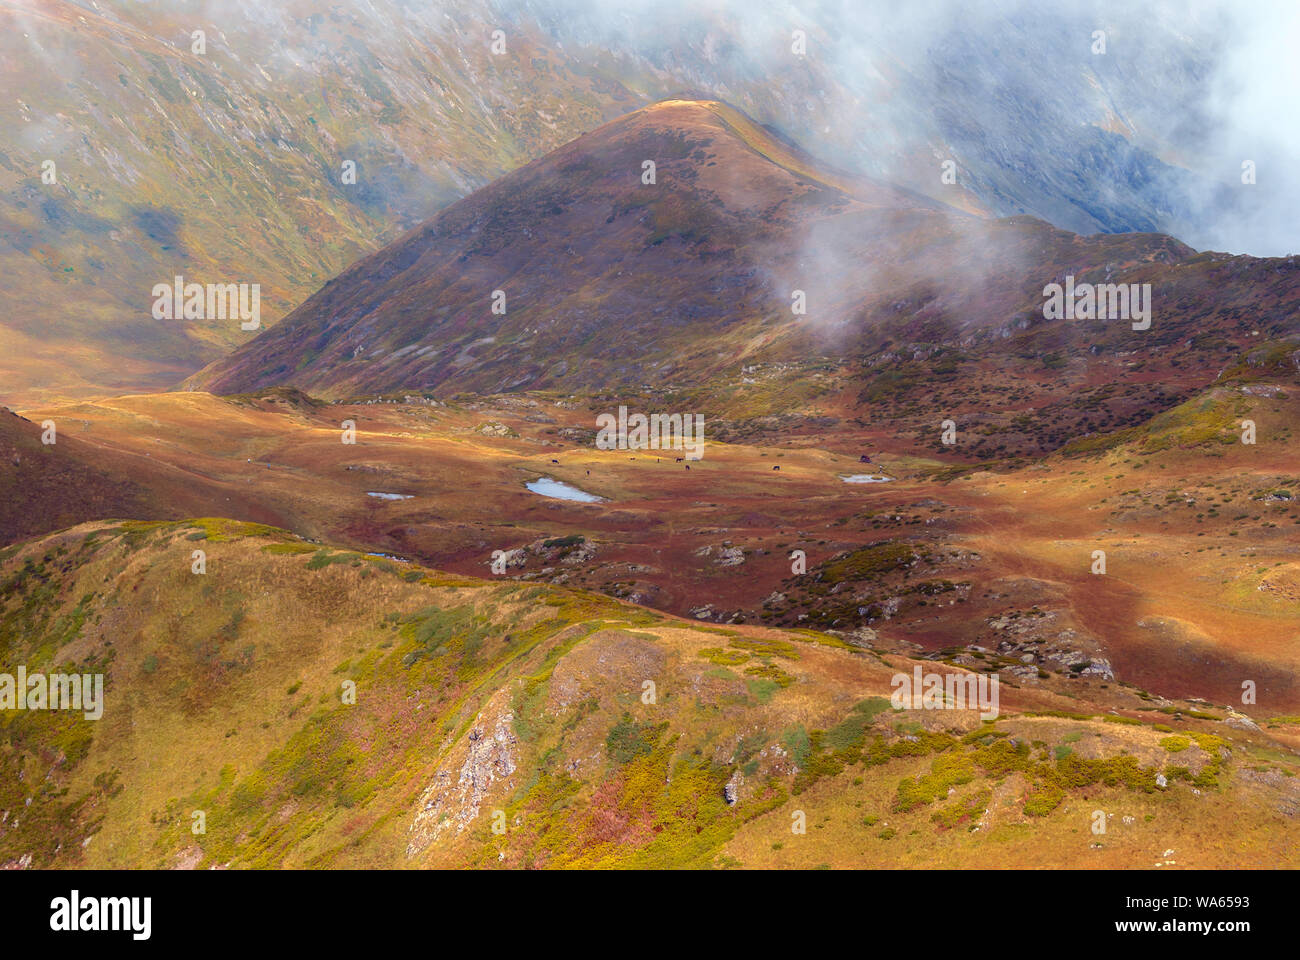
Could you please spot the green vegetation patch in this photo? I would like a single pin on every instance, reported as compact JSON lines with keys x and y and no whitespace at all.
{"x":870,"y":563}
{"x":628,"y":739}
{"x":726,"y":658}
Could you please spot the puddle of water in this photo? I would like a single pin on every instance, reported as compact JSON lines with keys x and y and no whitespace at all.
{"x":866,"y":478}
{"x":388,"y":496}
{"x":546,"y":487}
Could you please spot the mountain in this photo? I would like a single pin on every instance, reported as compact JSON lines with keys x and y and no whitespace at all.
{"x":367,"y":593}
{"x":612,"y":284}
{"x":601,"y":273}
{"x":226,"y":165}
{"x":324,"y":708}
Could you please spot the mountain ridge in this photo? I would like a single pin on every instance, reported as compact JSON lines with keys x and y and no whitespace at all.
{"x":607,"y":283}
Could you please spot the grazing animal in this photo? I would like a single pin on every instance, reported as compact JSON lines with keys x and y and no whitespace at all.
{"x":776,"y":468}
{"x":680,"y":459}
{"x":555,"y":461}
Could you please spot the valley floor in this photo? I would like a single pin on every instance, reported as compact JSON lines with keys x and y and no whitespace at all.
{"x":501,"y":714}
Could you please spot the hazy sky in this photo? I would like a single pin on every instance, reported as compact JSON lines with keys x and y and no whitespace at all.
{"x":1200,"y":86}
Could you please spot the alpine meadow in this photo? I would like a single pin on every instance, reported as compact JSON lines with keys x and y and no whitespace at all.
{"x":712,"y":435}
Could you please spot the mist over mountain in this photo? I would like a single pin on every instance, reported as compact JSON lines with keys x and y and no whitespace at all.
{"x":683,"y":241}
{"x":228,"y":166}
{"x":1095,"y":116}
{"x":526,"y":434}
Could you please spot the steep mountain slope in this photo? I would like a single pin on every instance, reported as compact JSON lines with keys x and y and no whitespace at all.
{"x":603,"y":274}
{"x":226,"y":165}
{"x":296,"y":705}
{"x":608,"y":282}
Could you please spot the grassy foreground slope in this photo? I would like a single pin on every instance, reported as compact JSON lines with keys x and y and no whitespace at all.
{"x":499,"y":723}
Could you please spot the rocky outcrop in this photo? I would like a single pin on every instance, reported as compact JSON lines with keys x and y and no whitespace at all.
{"x":489,"y":757}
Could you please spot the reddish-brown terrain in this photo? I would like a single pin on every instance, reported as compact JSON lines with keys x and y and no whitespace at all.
{"x":1103,"y":518}
{"x":682,"y":291}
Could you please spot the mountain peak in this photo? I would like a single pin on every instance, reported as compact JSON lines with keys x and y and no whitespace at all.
{"x":666,"y":225}
{"x":669,"y":244}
